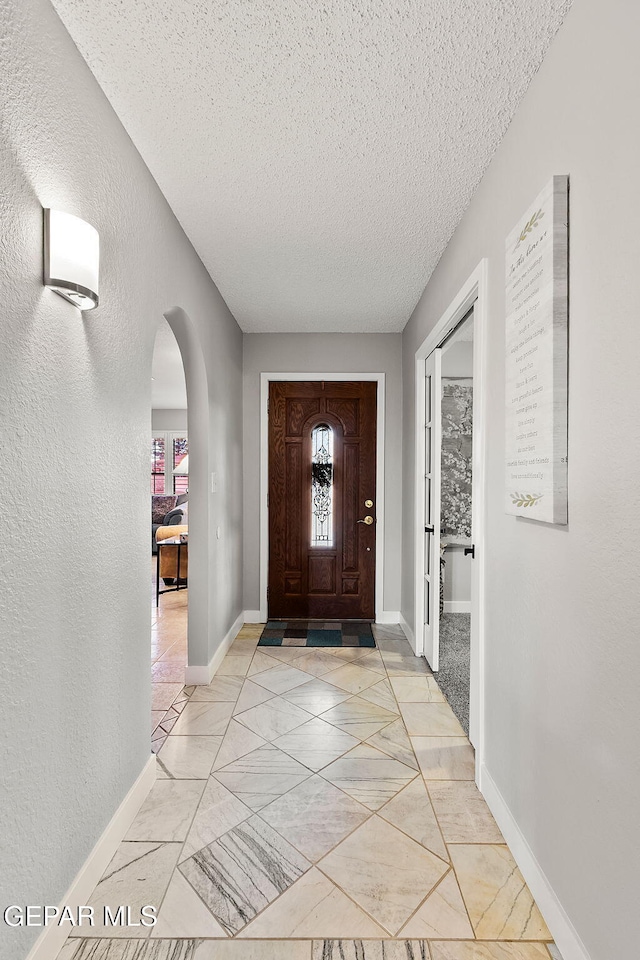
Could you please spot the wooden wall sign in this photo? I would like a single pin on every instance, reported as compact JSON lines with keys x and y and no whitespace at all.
{"x":536,"y":368}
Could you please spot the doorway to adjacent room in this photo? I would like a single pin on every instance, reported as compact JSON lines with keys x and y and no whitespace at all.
{"x":455,"y":510}
{"x":449,"y":533}
{"x":170,"y":519}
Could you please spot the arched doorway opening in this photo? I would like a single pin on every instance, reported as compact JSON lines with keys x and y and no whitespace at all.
{"x":179,"y":439}
{"x":169,"y":522}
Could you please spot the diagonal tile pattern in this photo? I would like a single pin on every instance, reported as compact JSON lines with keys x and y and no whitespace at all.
{"x":382,"y":695}
{"x":220,"y":688}
{"x":282,"y":678}
{"x":138,"y":874}
{"x":442,"y":916}
{"x":260,"y":663}
{"x":219,"y":811}
{"x":313,"y":906}
{"x":369,"y":776}
{"x":430,"y":720}
{"x":251,"y":695}
{"x":205,"y":718}
{"x":237,"y":742}
{"x":359,"y":717}
{"x":184,"y":914}
{"x":384,"y":871}
{"x":167,"y":812}
{"x":301,"y":816}
{"x":262,"y":776}
{"x":316,"y":743}
{"x":498,"y":900}
{"x":187,"y":758}
{"x":317,"y":696}
{"x":274,"y":718}
{"x":242,"y":872}
{"x":394,"y":741}
{"x":352,"y":677}
{"x":411,"y":811}
{"x":318,"y":662}
{"x":371,"y":842}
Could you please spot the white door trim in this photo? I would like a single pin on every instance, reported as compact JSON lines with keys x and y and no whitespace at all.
{"x":473,"y":293}
{"x":429,"y":635}
{"x":265,"y":379}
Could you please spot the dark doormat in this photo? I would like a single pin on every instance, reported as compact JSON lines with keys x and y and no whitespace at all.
{"x":317,"y":633}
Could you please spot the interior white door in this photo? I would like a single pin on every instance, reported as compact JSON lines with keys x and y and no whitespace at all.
{"x":432,"y":481}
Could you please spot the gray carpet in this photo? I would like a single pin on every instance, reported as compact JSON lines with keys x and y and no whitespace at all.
{"x":453,"y":676}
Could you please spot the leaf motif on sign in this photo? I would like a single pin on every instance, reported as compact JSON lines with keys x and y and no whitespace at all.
{"x":525,"y":499}
{"x":529,"y":226}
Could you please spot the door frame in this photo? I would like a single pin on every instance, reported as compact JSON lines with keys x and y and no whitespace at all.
{"x":265,"y":379}
{"x":435,"y":475}
{"x":473,"y":293}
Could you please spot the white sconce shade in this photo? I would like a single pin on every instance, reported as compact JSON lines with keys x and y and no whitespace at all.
{"x":182,"y":470}
{"x":71,"y":258}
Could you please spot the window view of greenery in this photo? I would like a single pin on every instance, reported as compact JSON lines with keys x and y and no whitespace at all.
{"x":180,"y":450}
{"x":167,"y":452}
{"x":157,"y":465}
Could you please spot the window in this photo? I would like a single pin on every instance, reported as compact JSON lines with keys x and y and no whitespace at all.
{"x":168,"y":450}
{"x":322,"y":486}
{"x":180,"y":450}
{"x":157,"y":464}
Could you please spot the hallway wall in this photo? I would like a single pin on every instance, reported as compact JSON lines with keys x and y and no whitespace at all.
{"x":168,"y":419}
{"x":353,"y":353}
{"x":563,"y":608}
{"x":75,"y":396}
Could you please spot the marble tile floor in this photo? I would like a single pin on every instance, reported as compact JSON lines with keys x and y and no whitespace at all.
{"x":325,"y":949}
{"x":306,"y":816}
{"x":168,"y":660}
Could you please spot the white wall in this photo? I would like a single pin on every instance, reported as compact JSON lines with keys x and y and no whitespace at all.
{"x":75,"y":425}
{"x":457,"y":358}
{"x":168,"y":420}
{"x":457,"y":576}
{"x":298,"y":353}
{"x":563,"y":606}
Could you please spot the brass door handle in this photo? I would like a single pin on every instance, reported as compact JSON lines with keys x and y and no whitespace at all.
{"x":367,"y":520}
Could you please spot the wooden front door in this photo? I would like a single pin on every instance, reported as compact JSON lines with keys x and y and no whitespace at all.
{"x":322,"y":472}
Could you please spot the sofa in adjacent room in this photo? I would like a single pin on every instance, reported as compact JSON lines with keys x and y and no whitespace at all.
{"x":166,"y":510}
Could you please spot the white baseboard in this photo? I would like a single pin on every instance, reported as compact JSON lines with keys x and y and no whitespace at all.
{"x":566,"y":937}
{"x":253,"y":616}
{"x":52,"y":938}
{"x":457,"y":606}
{"x":408,"y":632}
{"x":197,"y":676}
{"x":388,"y":616}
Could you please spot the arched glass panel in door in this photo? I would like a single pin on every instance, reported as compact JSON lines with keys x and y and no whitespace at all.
{"x":322,"y":486}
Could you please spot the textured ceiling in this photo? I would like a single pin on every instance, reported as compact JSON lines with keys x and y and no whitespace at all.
{"x":318,"y":153}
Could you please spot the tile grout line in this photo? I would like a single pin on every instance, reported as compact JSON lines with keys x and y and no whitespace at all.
{"x":257,"y":813}
{"x":422,"y":902}
{"x":370,"y":814}
{"x":176,"y":868}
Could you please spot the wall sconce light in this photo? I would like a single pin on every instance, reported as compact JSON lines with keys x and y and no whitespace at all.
{"x":182,"y":469}
{"x":71,"y":258}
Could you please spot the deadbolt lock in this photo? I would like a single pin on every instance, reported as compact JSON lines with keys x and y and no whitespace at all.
{"x":368,"y":503}
{"x":367,"y":520}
